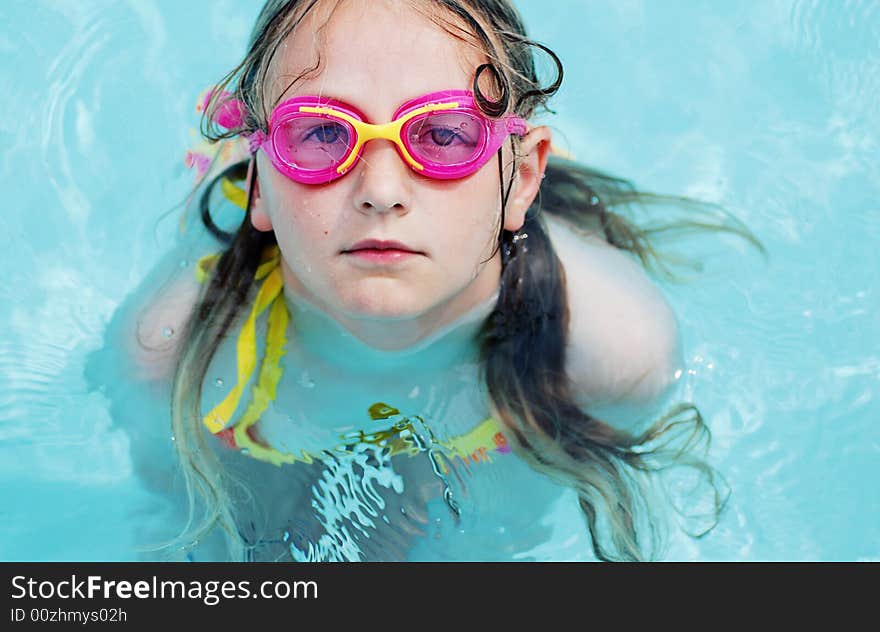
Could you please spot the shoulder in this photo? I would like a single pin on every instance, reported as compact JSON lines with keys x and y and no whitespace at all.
{"x":624,"y":345}
{"x":152,"y":323}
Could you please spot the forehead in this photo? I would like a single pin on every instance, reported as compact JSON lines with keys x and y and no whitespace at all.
{"x":375,"y":54}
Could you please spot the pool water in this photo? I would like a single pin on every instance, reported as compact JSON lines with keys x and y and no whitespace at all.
{"x":768,"y":108}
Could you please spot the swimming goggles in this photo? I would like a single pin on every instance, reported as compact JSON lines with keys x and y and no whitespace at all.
{"x":441,"y":135}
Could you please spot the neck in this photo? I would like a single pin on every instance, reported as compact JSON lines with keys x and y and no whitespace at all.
{"x":437,"y":340}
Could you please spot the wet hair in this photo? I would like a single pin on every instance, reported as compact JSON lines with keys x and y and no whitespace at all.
{"x":522,"y":342}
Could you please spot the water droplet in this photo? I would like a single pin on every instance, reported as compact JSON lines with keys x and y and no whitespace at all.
{"x":218,"y":381}
{"x":245,"y":451}
{"x":173,"y":438}
{"x":594,"y":200}
{"x":306,"y":381}
{"x":167,"y":332}
{"x":403,"y":510}
{"x":286,"y":536}
{"x":677,"y":374}
{"x":501,"y":530}
{"x":385,"y":518}
{"x":414,"y":393}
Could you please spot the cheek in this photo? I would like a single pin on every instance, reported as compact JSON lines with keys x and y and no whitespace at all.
{"x":481,"y":213}
{"x":301,"y":216}
{"x":468,"y":221}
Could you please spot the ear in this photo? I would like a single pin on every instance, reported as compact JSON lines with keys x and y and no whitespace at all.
{"x":259,"y":216}
{"x":530,"y":166}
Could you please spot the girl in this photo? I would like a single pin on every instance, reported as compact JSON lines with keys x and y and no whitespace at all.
{"x":421,"y":338}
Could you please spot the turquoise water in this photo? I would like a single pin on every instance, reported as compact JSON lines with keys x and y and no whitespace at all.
{"x":769,"y":108}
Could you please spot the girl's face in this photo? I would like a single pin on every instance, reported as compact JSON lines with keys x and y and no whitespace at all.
{"x":375,"y":56}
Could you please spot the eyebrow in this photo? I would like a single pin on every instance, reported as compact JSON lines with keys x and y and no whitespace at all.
{"x":319,"y":93}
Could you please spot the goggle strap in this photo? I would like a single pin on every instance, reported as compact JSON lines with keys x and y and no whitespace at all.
{"x":256,"y":140}
{"x":518,"y":126}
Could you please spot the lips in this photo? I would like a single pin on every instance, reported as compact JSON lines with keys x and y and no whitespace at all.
{"x":378,"y":244}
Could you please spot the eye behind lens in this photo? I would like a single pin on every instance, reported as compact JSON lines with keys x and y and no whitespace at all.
{"x":313,"y":142}
{"x":446,"y":138}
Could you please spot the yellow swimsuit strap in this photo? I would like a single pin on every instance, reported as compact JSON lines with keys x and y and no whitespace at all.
{"x":234,"y":194}
{"x":269,"y":295}
{"x":476,"y":445}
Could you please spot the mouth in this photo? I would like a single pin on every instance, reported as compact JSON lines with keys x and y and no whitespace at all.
{"x":378,"y":245}
{"x":376,"y":251}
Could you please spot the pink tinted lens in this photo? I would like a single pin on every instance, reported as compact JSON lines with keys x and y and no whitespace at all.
{"x":445,"y":138}
{"x":313,"y":142}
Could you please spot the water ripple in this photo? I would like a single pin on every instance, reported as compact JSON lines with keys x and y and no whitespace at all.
{"x":64,"y":79}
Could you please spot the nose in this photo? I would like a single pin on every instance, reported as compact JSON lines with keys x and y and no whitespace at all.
{"x":384,"y":180}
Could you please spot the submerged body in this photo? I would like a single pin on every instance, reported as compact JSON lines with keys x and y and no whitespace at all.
{"x":378,"y":455}
{"x":623,"y":355}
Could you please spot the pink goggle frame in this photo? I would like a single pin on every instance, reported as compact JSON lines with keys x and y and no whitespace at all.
{"x":315,"y":140}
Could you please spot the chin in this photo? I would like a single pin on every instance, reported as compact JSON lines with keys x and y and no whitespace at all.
{"x":376,"y":303}
{"x":393,"y":303}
